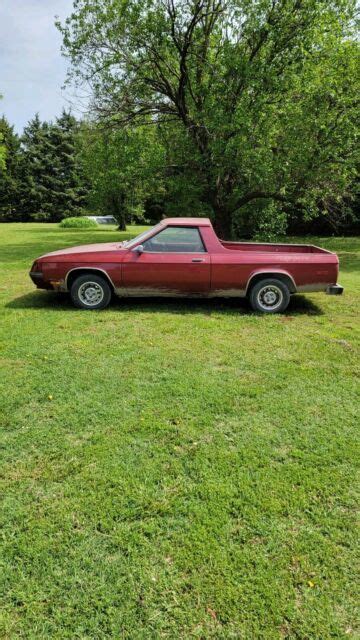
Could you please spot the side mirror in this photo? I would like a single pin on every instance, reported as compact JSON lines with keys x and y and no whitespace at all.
{"x":139,"y":249}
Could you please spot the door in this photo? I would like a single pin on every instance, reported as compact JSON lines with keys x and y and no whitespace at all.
{"x":174,"y":262}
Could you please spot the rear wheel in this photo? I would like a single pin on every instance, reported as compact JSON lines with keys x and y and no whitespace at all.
{"x":269,"y":296}
{"x":90,"y":292}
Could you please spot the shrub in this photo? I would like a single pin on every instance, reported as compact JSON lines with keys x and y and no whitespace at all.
{"x":77,"y":223}
{"x":263,"y":222}
{"x":271,"y":224}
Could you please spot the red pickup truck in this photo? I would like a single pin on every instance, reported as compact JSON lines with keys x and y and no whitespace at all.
{"x":184,"y":257}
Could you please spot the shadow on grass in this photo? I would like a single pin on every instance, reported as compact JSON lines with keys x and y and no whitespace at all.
{"x":43,"y":300}
{"x":49,"y":301}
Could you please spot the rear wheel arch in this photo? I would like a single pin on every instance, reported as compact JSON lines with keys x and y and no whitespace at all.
{"x":268,"y":275}
{"x":73,"y":274}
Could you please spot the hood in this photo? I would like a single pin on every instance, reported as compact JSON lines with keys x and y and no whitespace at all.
{"x":85,"y":248}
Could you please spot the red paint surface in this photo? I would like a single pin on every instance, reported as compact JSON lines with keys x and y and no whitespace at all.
{"x":225,"y":269}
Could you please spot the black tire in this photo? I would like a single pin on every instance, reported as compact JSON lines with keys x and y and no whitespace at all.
{"x":269,"y":296}
{"x":90,"y":292}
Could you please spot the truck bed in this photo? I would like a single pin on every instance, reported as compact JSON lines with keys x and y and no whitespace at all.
{"x":262,"y":247}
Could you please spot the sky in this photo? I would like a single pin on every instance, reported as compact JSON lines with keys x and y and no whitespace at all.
{"x":32,"y":70}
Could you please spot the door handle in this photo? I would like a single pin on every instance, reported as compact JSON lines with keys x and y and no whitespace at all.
{"x":198,"y":260}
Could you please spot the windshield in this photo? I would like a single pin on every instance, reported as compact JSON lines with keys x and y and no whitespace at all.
{"x":131,"y":243}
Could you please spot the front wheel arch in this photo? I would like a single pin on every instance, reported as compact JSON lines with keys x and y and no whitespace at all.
{"x":74,"y":274}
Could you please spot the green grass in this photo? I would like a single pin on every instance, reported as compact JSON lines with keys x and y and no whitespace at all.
{"x":176,"y":469}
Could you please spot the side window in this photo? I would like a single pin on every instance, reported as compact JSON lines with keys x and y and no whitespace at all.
{"x":176,"y":240}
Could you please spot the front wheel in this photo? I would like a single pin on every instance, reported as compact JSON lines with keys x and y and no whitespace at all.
{"x":269,"y":296}
{"x":90,"y":292}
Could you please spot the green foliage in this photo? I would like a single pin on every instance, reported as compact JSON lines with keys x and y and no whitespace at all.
{"x":43,"y":179}
{"x":2,"y":149}
{"x":176,"y":470}
{"x":9,"y":171}
{"x":77,"y":223}
{"x":2,"y":153}
{"x":37,"y":168}
{"x":53,"y":185}
{"x":264,"y":220}
{"x":253,"y":99}
{"x":123,"y":169}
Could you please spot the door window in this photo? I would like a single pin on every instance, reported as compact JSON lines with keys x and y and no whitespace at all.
{"x":176,"y":240}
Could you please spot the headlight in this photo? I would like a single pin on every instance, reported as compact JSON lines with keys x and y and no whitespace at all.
{"x":36,"y":267}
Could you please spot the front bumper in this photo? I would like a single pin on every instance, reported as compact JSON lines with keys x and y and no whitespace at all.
{"x":334,"y":290}
{"x":38,"y":279}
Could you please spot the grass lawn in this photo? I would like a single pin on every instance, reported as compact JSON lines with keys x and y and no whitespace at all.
{"x":176,"y":469}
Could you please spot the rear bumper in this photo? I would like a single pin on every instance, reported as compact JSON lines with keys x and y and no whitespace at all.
{"x":334,"y":290}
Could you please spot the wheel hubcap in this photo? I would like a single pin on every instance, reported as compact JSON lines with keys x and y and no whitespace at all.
{"x":91,"y":294}
{"x":270,"y":297}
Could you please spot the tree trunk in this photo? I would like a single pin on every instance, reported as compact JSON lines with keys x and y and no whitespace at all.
{"x":222,"y":223}
{"x":122,"y":225}
{"x":222,"y":215}
{"x":120,"y":217}
{"x":117,"y":208}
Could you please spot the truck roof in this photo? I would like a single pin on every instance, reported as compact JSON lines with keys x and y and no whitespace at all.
{"x":187,"y":222}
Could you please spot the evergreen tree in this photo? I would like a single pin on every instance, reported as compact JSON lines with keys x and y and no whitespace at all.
{"x":36,"y":164}
{"x":2,"y":149}
{"x":67,"y":186}
{"x":52,"y":184}
{"x":9,"y":171}
{"x":2,"y":153}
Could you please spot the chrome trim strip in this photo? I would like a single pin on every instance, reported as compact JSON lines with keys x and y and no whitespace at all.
{"x":145,"y":292}
{"x":314,"y":287}
{"x":150,"y":292}
{"x":176,"y":253}
{"x":227,"y":293}
{"x":270,"y":274}
{"x":88,"y":269}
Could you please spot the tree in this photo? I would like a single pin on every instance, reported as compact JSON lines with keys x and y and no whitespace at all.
{"x":36,"y":170}
{"x":261,"y":93}
{"x":2,"y":153}
{"x":123,"y":169}
{"x":68,"y":187}
{"x":9,"y":170}
{"x":52,"y":184}
{"x":2,"y":149}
